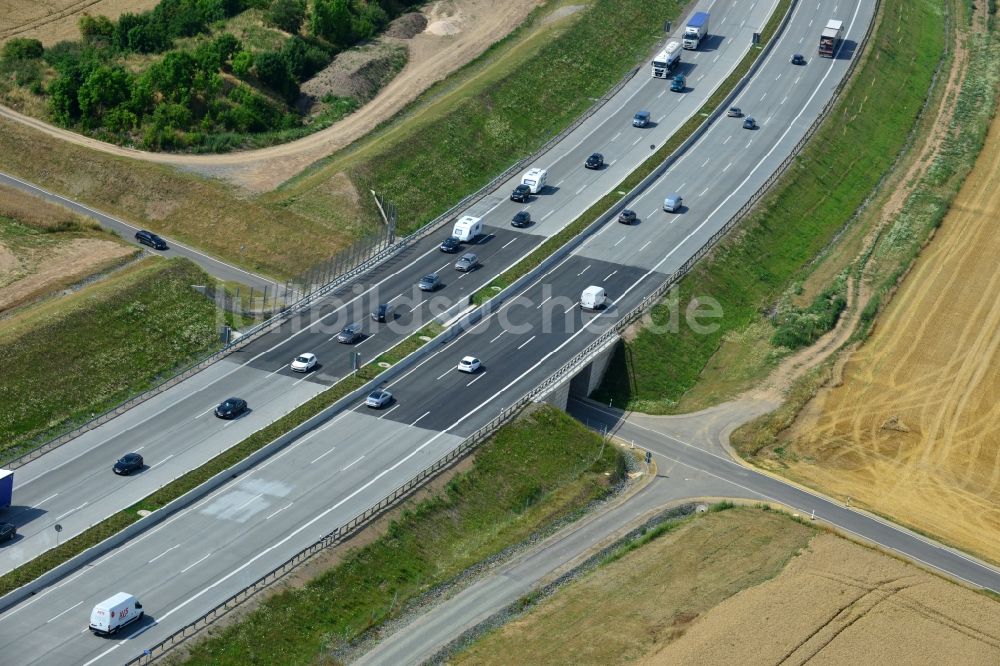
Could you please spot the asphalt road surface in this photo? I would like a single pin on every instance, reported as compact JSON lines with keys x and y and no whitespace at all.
{"x":310,"y":488}
{"x":691,"y":464}
{"x":176,"y":432}
{"x":212,"y":266}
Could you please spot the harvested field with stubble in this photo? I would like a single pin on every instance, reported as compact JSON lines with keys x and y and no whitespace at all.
{"x":912,"y":428}
{"x":750,"y":586}
{"x":55,"y":20}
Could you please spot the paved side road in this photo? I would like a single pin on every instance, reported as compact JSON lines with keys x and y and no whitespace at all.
{"x":699,"y":467}
{"x":214,"y":267}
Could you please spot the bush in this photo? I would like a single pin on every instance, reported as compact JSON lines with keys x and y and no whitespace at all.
{"x":286,"y":15}
{"x":21,"y":48}
{"x":96,"y":29}
{"x":797,"y":328}
{"x":274,"y":71}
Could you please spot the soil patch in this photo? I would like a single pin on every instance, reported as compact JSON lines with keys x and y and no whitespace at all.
{"x":841,"y":603}
{"x":407,"y":26}
{"x":59,"y":267}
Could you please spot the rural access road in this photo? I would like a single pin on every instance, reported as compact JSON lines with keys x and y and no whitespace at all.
{"x":214,"y":267}
{"x":692,"y":463}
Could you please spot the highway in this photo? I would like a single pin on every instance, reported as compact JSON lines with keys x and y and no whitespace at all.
{"x":214,"y":267}
{"x":175,"y":430}
{"x":691,"y":464}
{"x":260,"y":519}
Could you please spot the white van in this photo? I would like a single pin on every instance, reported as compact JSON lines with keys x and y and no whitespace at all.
{"x":112,"y":614}
{"x":593,"y":298}
{"x":467,"y":228}
{"x":672,"y":203}
{"x":535,"y":179}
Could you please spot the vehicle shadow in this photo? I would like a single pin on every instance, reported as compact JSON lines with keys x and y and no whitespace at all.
{"x":711,"y":43}
{"x":846,"y":50}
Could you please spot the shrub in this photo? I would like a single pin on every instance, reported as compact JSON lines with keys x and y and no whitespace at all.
{"x":286,"y":15}
{"x":22,"y":48}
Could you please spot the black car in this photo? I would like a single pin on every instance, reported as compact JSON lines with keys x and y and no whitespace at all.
{"x":798,"y":59}
{"x":381,"y":313}
{"x":450,"y":245}
{"x":521,"y":219}
{"x":231,"y":408}
{"x":595,"y":161}
{"x":7,"y":532}
{"x":749,"y":123}
{"x":150,"y":239}
{"x":627,"y":216}
{"x":521,"y":193}
{"x":350,"y":334}
{"x":429,"y":282}
{"x":128,"y":463}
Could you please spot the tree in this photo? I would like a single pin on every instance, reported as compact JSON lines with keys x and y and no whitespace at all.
{"x":22,"y":48}
{"x":106,"y":87}
{"x":96,"y":29}
{"x":303,"y":59}
{"x":331,"y":20}
{"x":274,"y":72}
{"x":287,"y":15}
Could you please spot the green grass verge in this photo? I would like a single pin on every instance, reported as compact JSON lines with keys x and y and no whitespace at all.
{"x":553,"y":243}
{"x":460,"y":151}
{"x":833,"y":175}
{"x":114,"y":340}
{"x":532,"y":472}
{"x":119,"y":521}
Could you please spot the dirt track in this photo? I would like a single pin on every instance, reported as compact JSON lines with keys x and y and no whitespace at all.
{"x":457,"y":32}
{"x":912,"y":430}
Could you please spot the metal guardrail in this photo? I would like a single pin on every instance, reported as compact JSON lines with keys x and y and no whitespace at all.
{"x":309,"y":299}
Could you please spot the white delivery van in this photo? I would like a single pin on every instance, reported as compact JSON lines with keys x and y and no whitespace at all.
{"x":672,"y":203}
{"x":112,"y":614}
{"x":467,"y":228}
{"x":593,"y":298}
{"x":535,"y":179}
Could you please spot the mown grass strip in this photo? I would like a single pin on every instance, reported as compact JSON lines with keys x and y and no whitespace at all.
{"x":836,"y":171}
{"x":533,"y":472}
{"x":553,"y":243}
{"x":110,"y":526}
{"x":114,"y":340}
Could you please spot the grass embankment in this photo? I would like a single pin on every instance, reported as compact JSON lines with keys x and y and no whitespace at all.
{"x":711,"y":557}
{"x":511,"y":100}
{"x":838,"y":169}
{"x":576,"y":227}
{"x":543,"y":467}
{"x":183,"y":484}
{"x":714,"y":589}
{"x":113,"y":340}
{"x":899,"y":245}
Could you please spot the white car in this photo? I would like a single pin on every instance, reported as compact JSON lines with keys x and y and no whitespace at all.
{"x":304,"y":362}
{"x":378,"y":398}
{"x":468,"y":364}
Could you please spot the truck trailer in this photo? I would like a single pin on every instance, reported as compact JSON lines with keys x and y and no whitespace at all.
{"x":696,"y":30}
{"x":666,"y":60}
{"x":6,"y":488}
{"x":829,"y":40}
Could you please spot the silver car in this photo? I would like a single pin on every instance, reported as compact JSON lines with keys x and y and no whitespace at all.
{"x":378,"y":399}
{"x":467,"y":262}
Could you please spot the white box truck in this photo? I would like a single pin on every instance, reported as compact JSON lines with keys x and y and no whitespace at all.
{"x":830,"y":38}
{"x":112,"y":614}
{"x":593,"y":298}
{"x":666,"y":60}
{"x":535,"y":179}
{"x":696,"y":30}
{"x":467,"y":228}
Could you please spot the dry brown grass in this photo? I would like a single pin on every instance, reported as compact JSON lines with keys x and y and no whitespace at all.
{"x":207,"y":214}
{"x":912,"y":430}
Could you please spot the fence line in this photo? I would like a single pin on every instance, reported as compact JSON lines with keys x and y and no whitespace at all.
{"x":365,"y":261}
